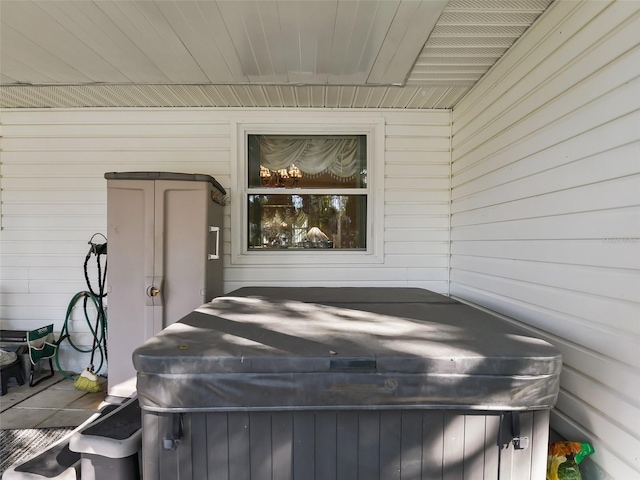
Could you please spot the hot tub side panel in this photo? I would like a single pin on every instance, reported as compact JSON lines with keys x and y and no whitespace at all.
{"x":343,"y":444}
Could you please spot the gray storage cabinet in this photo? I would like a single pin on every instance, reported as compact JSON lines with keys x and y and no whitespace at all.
{"x":349,"y":383}
{"x":164,"y":258}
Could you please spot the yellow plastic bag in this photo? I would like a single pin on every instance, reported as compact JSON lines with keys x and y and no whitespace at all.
{"x":564,"y":458}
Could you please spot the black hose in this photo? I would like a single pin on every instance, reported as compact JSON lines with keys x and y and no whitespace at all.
{"x":97,"y":250}
{"x":99,"y":330}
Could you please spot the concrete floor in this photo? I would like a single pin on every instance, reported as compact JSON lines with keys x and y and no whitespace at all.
{"x":53,"y":403}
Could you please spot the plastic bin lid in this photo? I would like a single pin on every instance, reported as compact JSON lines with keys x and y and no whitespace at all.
{"x":383,"y":347}
{"x":184,"y":177}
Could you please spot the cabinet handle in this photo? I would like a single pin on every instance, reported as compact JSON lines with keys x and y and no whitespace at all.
{"x":215,"y":256}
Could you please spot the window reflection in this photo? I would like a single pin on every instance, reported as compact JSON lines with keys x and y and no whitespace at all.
{"x":303,"y":221}
{"x":311,"y":161}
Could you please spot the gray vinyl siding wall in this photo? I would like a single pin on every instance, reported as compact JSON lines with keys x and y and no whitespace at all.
{"x":546,"y":211}
{"x":54,"y":199}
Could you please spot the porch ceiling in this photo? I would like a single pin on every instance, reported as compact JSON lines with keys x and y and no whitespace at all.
{"x":252,"y":53}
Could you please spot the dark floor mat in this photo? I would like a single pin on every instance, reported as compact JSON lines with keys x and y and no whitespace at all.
{"x":20,"y":445}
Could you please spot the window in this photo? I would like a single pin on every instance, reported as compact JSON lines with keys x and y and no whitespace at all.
{"x":307,"y":192}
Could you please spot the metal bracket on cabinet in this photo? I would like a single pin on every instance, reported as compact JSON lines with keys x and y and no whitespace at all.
{"x":519,"y":442}
{"x":170,"y":442}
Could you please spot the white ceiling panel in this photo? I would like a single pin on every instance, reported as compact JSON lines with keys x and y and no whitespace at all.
{"x":27,"y":28}
{"x":194,"y":24}
{"x":308,"y":56}
{"x":359,"y":34}
{"x":406,"y":37}
{"x":252,"y":53}
{"x":146,"y":26}
{"x":470,"y":37}
{"x":32,"y":62}
{"x":20,"y":69}
{"x":261,"y":60}
{"x":87,"y":24}
{"x":5,"y":79}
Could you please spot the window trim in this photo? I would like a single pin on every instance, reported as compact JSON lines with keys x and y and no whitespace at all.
{"x":373,"y":128}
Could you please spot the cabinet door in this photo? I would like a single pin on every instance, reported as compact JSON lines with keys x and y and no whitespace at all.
{"x":130,"y":234}
{"x":181,"y":246}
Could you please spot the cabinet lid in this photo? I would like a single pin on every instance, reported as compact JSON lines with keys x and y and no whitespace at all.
{"x":184,"y":177}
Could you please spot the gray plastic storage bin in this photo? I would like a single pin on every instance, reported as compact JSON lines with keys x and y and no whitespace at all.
{"x":110,"y":447}
{"x":344,"y":383}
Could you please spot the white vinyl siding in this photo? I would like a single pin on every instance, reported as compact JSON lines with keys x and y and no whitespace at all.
{"x":417,"y":183}
{"x":54,"y":198}
{"x":546,"y":211}
{"x":415,"y":234}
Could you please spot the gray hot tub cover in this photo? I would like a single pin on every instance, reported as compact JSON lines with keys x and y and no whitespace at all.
{"x":344,"y":348}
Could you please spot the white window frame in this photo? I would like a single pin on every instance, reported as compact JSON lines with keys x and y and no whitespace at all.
{"x":372,"y":127}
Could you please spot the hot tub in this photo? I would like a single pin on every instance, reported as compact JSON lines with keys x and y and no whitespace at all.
{"x":344,"y":383}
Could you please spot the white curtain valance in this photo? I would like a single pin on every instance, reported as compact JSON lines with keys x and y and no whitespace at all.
{"x":312,"y":155}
